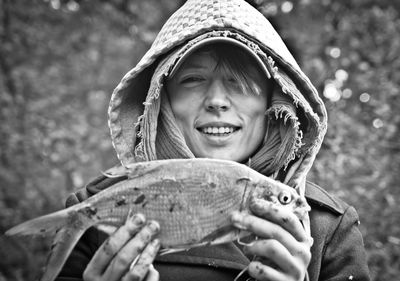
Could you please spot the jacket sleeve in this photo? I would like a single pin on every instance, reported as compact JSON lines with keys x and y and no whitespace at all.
{"x":345,"y":257}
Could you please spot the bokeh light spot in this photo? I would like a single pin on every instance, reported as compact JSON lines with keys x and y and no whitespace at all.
{"x":331,"y":92}
{"x":72,"y":6}
{"x":55,"y":4}
{"x":335,"y":52}
{"x":341,"y":75}
{"x":287,"y":7}
{"x":365,"y":97}
{"x":377,"y":123}
{"x":347,"y":93}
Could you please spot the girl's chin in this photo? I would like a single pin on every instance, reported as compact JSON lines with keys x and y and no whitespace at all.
{"x":219,"y":155}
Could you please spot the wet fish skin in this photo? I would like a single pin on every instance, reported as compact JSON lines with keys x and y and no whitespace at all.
{"x":191,"y":199}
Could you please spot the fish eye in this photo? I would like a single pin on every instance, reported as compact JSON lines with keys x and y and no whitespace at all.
{"x":285,"y":197}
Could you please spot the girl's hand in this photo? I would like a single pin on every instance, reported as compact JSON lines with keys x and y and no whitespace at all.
{"x":283,"y":247}
{"x":127,"y":254}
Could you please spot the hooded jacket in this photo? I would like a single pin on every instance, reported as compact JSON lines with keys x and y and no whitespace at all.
{"x":134,"y":110}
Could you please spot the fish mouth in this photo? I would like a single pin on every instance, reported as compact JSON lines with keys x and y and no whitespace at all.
{"x":218,"y":129}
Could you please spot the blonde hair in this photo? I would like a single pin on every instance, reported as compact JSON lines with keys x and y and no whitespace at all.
{"x":237,"y":62}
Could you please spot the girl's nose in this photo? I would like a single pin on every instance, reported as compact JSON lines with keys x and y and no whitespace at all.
{"x":217,"y":98}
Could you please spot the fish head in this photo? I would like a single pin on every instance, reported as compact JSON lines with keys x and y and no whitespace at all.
{"x":276,"y":193}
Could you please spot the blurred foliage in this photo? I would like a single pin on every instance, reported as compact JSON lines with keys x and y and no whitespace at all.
{"x":61,"y":59}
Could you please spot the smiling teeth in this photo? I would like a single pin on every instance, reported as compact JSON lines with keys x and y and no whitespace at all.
{"x":217,"y":130}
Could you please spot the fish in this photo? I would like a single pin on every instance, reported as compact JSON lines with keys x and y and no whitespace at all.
{"x":191,"y":199}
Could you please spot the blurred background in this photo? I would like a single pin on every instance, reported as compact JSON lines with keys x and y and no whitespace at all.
{"x":61,"y":59}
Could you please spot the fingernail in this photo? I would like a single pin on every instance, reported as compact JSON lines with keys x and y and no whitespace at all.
{"x":237,"y":220}
{"x":236,"y":217}
{"x":138,"y":219}
{"x":154,"y":226}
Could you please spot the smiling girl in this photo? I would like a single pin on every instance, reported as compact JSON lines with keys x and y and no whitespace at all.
{"x":218,"y":82}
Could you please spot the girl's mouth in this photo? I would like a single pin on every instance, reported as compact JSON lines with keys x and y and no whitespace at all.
{"x":217,"y":130}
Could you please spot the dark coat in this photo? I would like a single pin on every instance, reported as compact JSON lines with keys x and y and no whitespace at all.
{"x":337,"y":253}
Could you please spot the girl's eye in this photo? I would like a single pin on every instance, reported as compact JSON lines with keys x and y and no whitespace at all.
{"x":191,"y":79}
{"x":232,"y":80}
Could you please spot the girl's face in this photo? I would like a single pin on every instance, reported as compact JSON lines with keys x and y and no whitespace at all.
{"x":219,"y":118}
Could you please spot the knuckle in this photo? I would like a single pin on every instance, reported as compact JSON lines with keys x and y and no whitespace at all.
{"x":257,"y":270}
{"x":297,"y":273}
{"x":122,"y":261}
{"x":249,"y":220}
{"x":307,"y":255}
{"x":275,"y":233}
{"x":109,"y":246}
{"x":300,"y":267}
{"x":310,"y":241}
{"x":304,"y":254}
{"x":271,"y":246}
{"x":144,"y":236}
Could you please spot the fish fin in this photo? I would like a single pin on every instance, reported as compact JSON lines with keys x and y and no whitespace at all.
{"x":64,"y":242}
{"x":115,"y":172}
{"x":44,"y":225}
{"x":63,"y":228}
{"x":245,"y":238}
{"x":241,"y":243}
{"x":221,"y":235}
{"x":163,"y":252}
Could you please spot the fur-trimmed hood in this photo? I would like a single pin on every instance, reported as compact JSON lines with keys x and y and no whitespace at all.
{"x":198,"y":20}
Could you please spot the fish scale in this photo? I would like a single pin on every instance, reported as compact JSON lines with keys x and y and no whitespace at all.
{"x":189,"y":207}
{"x":192,"y":200}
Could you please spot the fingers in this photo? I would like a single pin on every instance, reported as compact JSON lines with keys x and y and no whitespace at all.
{"x":263,"y":229}
{"x":113,"y":244}
{"x":127,"y":254}
{"x":143,"y":266}
{"x":272,"y":250}
{"x":122,"y":261}
{"x":282,"y":241}
{"x":263,"y":272}
{"x":281,"y":216}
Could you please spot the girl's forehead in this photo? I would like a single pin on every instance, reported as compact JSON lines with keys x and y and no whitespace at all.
{"x":209,"y":58}
{"x":200,"y":59}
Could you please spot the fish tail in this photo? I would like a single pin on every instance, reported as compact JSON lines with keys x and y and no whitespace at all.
{"x":64,"y":228}
{"x":63,"y":244}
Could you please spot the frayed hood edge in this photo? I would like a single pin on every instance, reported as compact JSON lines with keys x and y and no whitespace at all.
{"x":129,"y":97}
